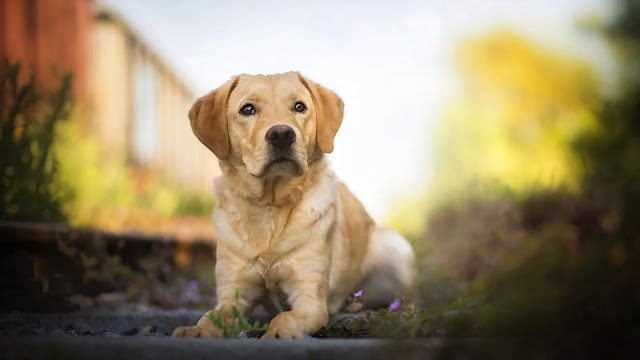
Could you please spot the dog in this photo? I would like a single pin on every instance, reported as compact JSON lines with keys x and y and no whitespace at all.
{"x":290,"y":236}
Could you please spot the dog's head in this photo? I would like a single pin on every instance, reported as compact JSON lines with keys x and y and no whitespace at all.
{"x":273,"y":125}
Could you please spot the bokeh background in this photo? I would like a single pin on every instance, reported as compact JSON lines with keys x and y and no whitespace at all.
{"x":438,"y":94}
{"x":500,"y":137}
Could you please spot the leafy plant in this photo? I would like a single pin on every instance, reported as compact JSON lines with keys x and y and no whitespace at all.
{"x":395,"y":322}
{"x":109,"y":193}
{"x":195,"y":204}
{"x":29,"y":189}
{"x":237,"y":324}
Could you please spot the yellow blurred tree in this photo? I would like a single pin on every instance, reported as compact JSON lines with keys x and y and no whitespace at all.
{"x":520,"y":110}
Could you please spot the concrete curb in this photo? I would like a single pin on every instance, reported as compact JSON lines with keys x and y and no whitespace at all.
{"x":142,"y":348}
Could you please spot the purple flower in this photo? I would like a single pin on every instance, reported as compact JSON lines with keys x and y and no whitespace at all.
{"x":395,"y":305}
{"x":357,"y":294}
{"x":193,"y":284}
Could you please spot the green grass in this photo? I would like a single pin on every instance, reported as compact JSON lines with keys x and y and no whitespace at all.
{"x":237,"y":322}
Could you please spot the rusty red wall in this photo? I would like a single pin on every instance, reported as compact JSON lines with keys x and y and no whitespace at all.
{"x":48,"y":36}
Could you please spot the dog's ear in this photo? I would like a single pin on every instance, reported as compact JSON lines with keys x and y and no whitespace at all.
{"x":329,"y":113}
{"x":208,"y":116}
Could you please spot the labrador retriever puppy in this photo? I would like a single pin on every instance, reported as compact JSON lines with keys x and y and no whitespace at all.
{"x":290,"y":236}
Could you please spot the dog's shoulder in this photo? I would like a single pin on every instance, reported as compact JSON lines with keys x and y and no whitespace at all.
{"x":355,"y":217}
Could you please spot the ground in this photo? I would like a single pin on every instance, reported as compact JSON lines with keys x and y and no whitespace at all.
{"x":104,"y":334}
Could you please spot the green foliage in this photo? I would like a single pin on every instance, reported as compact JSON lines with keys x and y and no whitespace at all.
{"x":51,"y":170}
{"x":556,"y":271}
{"x":581,"y":280}
{"x":103,"y":188}
{"x":385,"y":323}
{"x":29,"y":189}
{"x":404,"y":322}
{"x":195,"y":204}
{"x":110,"y":194}
{"x":522,"y":104}
{"x":512,"y":127}
{"x":236,"y":323}
{"x":453,"y":319}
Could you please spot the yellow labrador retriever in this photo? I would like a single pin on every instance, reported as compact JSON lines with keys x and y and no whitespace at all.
{"x":290,"y":236}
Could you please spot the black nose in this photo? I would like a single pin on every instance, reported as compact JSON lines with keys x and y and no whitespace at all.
{"x":280,"y":136}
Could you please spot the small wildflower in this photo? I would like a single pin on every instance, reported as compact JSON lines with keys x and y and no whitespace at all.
{"x":395,"y":305}
{"x":193,"y":284}
{"x":357,"y":294}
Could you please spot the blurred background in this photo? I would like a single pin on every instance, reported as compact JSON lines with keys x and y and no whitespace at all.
{"x":500,"y":137}
{"x":473,"y":90}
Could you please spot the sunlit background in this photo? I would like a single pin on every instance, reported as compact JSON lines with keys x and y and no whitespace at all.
{"x":397,"y":65}
{"x":500,"y":137}
{"x":438,"y":93}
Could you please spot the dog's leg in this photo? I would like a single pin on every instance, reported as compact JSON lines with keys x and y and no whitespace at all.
{"x":389,"y":269}
{"x":307,"y":315}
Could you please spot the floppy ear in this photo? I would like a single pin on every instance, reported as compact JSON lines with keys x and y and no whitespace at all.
{"x":329,"y":113}
{"x":208,"y":116}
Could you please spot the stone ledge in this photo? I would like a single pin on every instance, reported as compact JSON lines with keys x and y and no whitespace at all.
{"x":141,"y":348}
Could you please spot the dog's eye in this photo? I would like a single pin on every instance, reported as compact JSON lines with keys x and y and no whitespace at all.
{"x":247,"y":110}
{"x":300,"y":107}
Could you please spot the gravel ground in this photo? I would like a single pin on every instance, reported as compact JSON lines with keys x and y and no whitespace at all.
{"x":140,"y":348}
{"x":112,"y":323}
{"x":105,"y":323}
{"x":103,"y":334}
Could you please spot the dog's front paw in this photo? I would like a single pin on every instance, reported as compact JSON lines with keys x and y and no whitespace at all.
{"x":196,"y":332}
{"x":284,"y":326}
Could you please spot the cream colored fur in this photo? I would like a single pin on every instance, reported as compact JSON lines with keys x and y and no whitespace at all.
{"x":290,"y":236}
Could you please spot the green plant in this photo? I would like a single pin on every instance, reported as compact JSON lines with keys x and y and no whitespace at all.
{"x":401,"y":323}
{"x":237,"y":324}
{"x":29,"y":186}
{"x":395,"y":322}
{"x":195,"y":204}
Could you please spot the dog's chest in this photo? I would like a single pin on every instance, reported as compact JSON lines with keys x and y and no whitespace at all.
{"x":261,"y":235}
{"x":268,"y":270}
{"x":281,"y":241}
{"x":274,"y":240}
{"x":264,"y":226}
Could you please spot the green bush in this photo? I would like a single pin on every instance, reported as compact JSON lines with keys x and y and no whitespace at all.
{"x":195,"y":204}
{"x":28,"y":167}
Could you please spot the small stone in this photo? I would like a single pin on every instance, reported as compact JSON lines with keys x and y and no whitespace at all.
{"x":146,"y":330}
{"x":80,"y":327}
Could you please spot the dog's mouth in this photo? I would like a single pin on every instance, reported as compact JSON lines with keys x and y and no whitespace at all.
{"x":281,"y":160}
{"x":280,"y":165}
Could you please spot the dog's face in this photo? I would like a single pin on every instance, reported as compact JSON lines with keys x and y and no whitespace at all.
{"x":271,"y":125}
